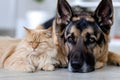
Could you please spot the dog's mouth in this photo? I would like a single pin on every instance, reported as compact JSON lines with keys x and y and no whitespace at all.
{"x":81,"y":63}
{"x":78,"y":68}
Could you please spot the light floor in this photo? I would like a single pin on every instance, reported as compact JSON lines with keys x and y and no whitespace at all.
{"x":106,"y":73}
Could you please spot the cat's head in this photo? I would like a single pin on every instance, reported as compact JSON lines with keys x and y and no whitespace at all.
{"x":37,"y":40}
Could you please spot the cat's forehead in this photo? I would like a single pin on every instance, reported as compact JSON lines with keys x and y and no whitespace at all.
{"x":36,"y":35}
{"x":38,"y":31}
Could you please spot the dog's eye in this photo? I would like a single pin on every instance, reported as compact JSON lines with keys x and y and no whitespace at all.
{"x":92,"y":39}
{"x":70,"y":40}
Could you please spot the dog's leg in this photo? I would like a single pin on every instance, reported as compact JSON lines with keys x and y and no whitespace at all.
{"x":101,"y":61}
{"x":61,"y":58}
{"x":113,"y":58}
{"x":99,"y":65}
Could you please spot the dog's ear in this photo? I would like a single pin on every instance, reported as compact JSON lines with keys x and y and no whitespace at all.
{"x":104,"y":15}
{"x":64,"y":11}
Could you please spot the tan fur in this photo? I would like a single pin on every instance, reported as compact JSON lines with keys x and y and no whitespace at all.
{"x":113,"y":58}
{"x":88,"y":18}
{"x":84,"y":32}
{"x":102,"y":55}
{"x":35,"y":52}
{"x":102,"y":18}
{"x":75,"y":31}
{"x":7,"y":46}
{"x":6,"y":42}
{"x":61,"y":56}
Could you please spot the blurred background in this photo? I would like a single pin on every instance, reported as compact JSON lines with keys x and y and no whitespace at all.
{"x":14,"y":14}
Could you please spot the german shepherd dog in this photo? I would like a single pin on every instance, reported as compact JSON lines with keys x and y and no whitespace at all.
{"x":82,"y":37}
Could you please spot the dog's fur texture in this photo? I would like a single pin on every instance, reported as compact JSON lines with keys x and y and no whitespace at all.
{"x":81,"y":37}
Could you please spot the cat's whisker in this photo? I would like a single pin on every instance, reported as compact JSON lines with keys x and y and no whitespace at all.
{"x":34,"y":50}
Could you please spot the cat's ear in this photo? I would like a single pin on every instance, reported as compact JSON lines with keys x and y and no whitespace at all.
{"x":39,"y":27}
{"x":27,"y":30}
{"x":50,"y":29}
{"x":49,"y":32}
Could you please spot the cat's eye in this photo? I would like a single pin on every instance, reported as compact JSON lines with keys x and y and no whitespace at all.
{"x":42,"y":41}
{"x":30,"y":42}
{"x":38,"y":42}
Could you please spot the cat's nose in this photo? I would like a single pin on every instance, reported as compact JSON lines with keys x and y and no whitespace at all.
{"x":33,"y":50}
{"x":34,"y":46}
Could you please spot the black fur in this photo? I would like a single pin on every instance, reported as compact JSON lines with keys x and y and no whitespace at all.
{"x":48,"y":23}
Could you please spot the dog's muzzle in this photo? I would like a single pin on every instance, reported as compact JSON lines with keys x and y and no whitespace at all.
{"x":81,"y":64}
{"x":76,"y":67}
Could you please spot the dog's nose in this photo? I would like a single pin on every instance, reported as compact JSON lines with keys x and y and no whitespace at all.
{"x":76,"y":64}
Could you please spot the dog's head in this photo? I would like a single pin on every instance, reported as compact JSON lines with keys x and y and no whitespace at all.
{"x":83,"y":33}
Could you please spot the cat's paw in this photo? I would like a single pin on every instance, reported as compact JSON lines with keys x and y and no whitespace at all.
{"x":48,"y":67}
{"x":55,"y":63}
{"x":28,"y":68}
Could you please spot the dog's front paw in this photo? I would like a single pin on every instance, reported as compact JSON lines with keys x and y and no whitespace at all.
{"x":99,"y":65}
{"x":48,"y":67}
{"x":63,"y":61}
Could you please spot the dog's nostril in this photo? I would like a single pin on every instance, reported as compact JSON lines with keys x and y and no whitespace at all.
{"x":76,"y":64}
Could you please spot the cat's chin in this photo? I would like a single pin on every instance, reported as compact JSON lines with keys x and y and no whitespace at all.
{"x":34,"y":53}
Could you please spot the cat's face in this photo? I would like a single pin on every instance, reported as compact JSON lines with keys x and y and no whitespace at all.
{"x":38,"y":40}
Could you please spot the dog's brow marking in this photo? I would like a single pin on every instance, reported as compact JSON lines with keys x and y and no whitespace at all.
{"x":88,"y":18}
{"x":75,"y":31}
{"x":89,"y":29}
{"x":75,"y":18}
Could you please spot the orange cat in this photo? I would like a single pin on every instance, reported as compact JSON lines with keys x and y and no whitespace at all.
{"x":7,"y":46}
{"x":35,"y":52}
